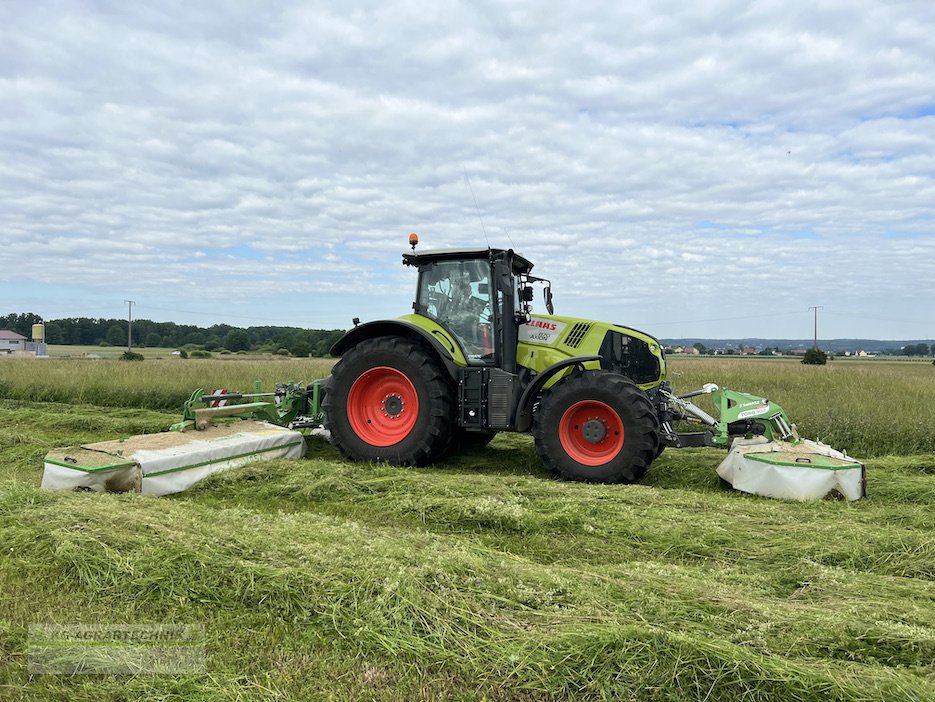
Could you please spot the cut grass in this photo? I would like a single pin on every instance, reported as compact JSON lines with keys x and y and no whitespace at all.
{"x":477,"y":578}
{"x":645,"y":628}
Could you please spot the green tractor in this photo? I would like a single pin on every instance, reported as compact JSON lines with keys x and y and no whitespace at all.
{"x":473,"y":360}
{"x":470,"y":361}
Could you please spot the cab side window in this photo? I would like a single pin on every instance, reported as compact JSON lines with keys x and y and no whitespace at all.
{"x":457,"y":294}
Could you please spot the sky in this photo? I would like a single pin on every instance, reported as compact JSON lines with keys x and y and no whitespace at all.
{"x":702,"y":169}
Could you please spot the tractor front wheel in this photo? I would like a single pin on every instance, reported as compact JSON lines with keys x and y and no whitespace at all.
{"x":390,"y":400}
{"x":596,"y":426}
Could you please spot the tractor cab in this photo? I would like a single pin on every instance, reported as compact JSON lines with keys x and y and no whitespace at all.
{"x":476,"y":295}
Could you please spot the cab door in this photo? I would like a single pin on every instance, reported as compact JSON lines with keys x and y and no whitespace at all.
{"x":458,"y":295}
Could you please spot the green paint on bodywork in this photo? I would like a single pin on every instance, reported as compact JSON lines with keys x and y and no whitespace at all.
{"x":537,"y":356}
{"x":736,"y":406}
{"x":814,"y":461}
{"x":444,"y":338}
{"x":577,"y":337}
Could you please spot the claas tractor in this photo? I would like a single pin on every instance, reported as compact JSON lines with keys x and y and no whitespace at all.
{"x":472,"y":359}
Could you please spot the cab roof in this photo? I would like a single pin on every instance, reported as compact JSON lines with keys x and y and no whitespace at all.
{"x":422,"y":258}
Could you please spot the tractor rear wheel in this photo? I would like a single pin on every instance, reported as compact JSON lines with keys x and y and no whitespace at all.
{"x":390,"y":400}
{"x":596,"y":426}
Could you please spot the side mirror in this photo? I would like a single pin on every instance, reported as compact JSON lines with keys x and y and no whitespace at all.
{"x":547,"y":293}
{"x":527,"y":294}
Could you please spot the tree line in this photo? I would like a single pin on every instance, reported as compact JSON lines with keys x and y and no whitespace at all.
{"x":910,"y":350}
{"x":113,"y":332}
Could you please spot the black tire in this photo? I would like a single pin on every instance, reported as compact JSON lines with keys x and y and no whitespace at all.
{"x":431,"y":431}
{"x":566,"y":433}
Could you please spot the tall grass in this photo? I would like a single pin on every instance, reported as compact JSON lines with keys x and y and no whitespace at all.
{"x":154,"y":384}
{"x":869,"y":408}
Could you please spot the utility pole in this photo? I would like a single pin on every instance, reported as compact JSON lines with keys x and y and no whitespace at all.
{"x":130,"y":304}
{"x":816,"y":308}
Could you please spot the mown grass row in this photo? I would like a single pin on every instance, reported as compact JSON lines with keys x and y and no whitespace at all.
{"x":870,"y":408}
{"x":480,"y":577}
{"x":504,"y":622}
{"x":649,"y":627}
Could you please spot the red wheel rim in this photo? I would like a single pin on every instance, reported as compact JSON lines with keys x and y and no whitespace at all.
{"x":382,"y":406}
{"x":591,"y":432}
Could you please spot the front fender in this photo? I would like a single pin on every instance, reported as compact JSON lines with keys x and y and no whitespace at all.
{"x":524,"y":408}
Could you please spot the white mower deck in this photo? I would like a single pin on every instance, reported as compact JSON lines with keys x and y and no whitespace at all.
{"x":168,"y":462}
{"x":801,"y":470}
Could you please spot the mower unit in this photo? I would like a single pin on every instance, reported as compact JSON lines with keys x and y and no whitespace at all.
{"x":766,"y":455}
{"x":160,"y":464}
{"x":216,"y":433}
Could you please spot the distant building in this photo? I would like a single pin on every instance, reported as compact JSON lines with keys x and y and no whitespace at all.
{"x":691,"y":351}
{"x":10,"y":341}
{"x":13,"y":344}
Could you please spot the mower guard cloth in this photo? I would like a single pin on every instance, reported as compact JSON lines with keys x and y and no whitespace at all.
{"x":803,"y":470}
{"x":160,"y":464}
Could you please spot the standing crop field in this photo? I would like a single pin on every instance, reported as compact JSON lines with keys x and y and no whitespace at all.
{"x":480,"y":578}
{"x":161,"y":383}
{"x":871,"y":408}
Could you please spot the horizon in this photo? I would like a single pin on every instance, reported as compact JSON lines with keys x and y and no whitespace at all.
{"x":663,"y":339}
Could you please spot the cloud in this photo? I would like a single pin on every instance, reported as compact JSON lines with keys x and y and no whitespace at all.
{"x":658,"y":161}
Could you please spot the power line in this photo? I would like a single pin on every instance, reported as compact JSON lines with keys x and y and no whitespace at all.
{"x":870,"y":318}
{"x":473,"y":197}
{"x":222,"y":314}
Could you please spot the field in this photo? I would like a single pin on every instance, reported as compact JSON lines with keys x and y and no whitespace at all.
{"x":481,"y":577}
{"x":79,"y":351}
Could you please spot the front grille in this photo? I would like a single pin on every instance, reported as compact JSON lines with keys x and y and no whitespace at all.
{"x":622,"y":353}
{"x":577,"y":334}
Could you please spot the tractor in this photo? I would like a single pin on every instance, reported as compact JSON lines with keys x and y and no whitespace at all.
{"x":472,"y":360}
